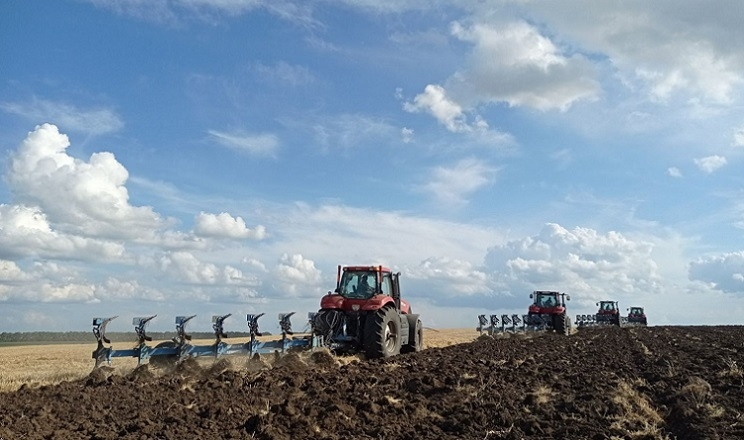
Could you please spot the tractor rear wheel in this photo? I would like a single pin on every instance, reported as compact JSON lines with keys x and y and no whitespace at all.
{"x":562,"y":324}
{"x":382,"y":334}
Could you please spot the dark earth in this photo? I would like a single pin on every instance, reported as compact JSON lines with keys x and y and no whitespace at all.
{"x":603,"y":383}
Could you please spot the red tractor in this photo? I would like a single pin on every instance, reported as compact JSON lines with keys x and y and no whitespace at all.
{"x":636,"y":316}
{"x":365,"y":313}
{"x":608,"y":313}
{"x":548,"y":309}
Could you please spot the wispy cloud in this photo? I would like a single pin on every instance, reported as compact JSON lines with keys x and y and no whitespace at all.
{"x":453,"y":185}
{"x":263,"y":144}
{"x":69,"y":117}
{"x":351,"y":130}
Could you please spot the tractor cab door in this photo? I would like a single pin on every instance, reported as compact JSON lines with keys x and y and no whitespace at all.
{"x":391,"y":280}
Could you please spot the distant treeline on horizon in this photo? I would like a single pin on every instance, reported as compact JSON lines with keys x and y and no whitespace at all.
{"x":88,"y":337}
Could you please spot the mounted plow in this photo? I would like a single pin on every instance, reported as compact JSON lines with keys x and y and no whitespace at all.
{"x":180,"y":347}
{"x":547,"y":312}
{"x":494,"y":324}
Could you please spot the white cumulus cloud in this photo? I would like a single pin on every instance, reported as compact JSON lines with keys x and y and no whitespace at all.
{"x":580,"y":261}
{"x":88,"y":198}
{"x":710,"y":164}
{"x":297,"y":276}
{"x":723,"y":272}
{"x":223,"y":225}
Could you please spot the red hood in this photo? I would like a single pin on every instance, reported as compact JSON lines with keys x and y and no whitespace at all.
{"x":555,"y":310}
{"x":351,"y":304}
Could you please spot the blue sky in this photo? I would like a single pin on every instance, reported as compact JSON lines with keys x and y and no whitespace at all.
{"x":208,"y":157}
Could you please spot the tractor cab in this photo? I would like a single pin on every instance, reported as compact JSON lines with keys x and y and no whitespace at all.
{"x":636,"y":312}
{"x":359,"y":284}
{"x":365,"y":288}
{"x":608,"y":308}
{"x":548,"y":302}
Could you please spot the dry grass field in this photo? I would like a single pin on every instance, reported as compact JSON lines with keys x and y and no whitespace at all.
{"x":36,"y":365}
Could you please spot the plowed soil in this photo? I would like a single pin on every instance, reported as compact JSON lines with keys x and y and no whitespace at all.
{"x":640,"y":383}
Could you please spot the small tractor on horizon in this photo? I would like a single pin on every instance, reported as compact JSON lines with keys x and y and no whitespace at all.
{"x":636,"y":316}
{"x":365,"y":313}
{"x":547,"y":312}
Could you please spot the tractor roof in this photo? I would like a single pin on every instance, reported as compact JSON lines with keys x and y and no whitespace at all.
{"x":366,"y":268}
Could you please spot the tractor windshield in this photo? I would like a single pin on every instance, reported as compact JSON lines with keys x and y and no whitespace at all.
{"x":607,"y":305}
{"x":358,"y":284}
{"x":546,"y":300}
{"x":636,"y":311}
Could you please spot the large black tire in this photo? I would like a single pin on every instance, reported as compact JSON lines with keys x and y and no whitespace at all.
{"x":164,"y":361}
{"x":562,"y":324}
{"x":382,"y":334}
{"x":415,"y":336}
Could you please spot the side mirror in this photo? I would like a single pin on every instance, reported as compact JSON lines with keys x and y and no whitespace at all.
{"x":568,"y":297}
{"x":597,"y":304}
{"x":531,"y":296}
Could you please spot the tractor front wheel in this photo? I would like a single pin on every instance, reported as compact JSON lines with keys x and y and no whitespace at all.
{"x":382,"y":334}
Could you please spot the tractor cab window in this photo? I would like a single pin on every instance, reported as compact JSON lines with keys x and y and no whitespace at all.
{"x":387,"y":285}
{"x":546,"y":301}
{"x":359,"y":285}
{"x":636,"y":311}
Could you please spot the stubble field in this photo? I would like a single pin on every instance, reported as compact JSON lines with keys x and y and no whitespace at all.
{"x":629,"y":383}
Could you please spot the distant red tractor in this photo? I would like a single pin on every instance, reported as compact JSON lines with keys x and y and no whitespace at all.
{"x":608,"y":313}
{"x":549,"y":308}
{"x":365,"y":313}
{"x":636,"y":316}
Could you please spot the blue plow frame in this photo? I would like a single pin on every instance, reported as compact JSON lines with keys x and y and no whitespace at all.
{"x":180,"y":347}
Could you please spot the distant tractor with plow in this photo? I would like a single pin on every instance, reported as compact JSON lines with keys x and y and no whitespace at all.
{"x":608,"y":313}
{"x":365,"y":313}
{"x":637,"y":317}
{"x":546,"y":313}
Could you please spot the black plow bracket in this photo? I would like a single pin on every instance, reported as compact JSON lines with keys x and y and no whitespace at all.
{"x":285,"y":323}
{"x":217,"y":326}
{"x":140,"y":327}
{"x":253,"y":324}
{"x":99,"y":329}
{"x":181,"y":335}
{"x":490,"y":324}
